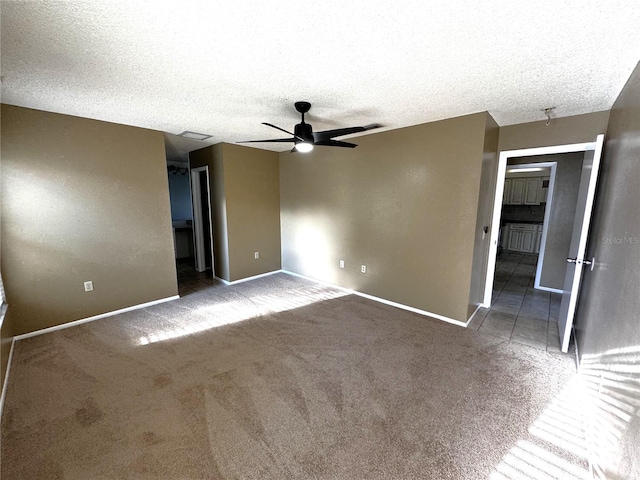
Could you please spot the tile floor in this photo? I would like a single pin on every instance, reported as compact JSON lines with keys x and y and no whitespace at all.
{"x":190,"y":280}
{"x":519,"y":312}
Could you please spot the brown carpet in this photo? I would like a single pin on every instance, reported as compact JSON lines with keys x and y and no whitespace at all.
{"x":313,"y":384}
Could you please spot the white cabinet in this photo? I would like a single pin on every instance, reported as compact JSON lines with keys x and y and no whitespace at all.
{"x":538,"y":238}
{"x":532,"y":191}
{"x":516,"y":195}
{"x":525,"y":191}
{"x":506,"y":192}
{"x":522,"y":237}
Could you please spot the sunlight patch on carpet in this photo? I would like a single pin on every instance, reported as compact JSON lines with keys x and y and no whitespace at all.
{"x":215,"y":315}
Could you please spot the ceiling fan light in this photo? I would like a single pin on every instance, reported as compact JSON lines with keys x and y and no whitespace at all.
{"x":304,"y":147}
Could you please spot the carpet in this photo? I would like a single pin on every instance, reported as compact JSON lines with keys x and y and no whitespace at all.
{"x":283,"y":378}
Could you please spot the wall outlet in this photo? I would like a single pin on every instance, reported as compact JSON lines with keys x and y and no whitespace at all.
{"x":363,"y":269}
{"x":341,"y":263}
{"x":256,"y":255}
{"x":88,"y":286}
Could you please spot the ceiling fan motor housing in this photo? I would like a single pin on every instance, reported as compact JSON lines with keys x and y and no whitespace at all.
{"x":304,"y":131}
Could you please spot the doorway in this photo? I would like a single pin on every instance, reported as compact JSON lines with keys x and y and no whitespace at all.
{"x":203,"y":226}
{"x":574,"y":261}
{"x":527,"y":203}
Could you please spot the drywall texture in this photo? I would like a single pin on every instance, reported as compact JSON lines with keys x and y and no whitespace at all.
{"x":403,"y":203}
{"x":607,"y":322}
{"x":82,"y":200}
{"x":484,"y":216}
{"x":560,"y":131}
{"x":561,"y":216}
{"x":246,"y":202}
{"x":212,"y":157}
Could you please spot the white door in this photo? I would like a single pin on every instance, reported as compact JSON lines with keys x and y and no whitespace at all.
{"x":578,"y":246}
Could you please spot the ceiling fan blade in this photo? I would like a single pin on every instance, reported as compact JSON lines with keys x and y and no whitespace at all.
{"x":282,"y":130}
{"x":338,"y":132}
{"x":271,"y":140}
{"x":336,"y":143}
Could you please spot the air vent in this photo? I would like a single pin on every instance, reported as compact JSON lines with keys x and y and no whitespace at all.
{"x":194,"y":135}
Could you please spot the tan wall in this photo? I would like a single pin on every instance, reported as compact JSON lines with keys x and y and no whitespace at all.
{"x":607,"y":321}
{"x":246,"y":202}
{"x":252,"y":186}
{"x":403,"y":203}
{"x":486,"y":197}
{"x":82,"y":200}
{"x":561,"y":131}
{"x":562,"y":215}
{"x":212,"y":157}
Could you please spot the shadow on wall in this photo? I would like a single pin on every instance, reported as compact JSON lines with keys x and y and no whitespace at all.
{"x":612,"y":386}
{"x":581,"y":433}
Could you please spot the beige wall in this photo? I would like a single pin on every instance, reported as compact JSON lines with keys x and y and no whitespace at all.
{"x":561,"y":216}
{"x":607,"y":318}
{"x":82,"y":200}
{"x":246,"y":199}
{"x":561,"y":131}
{"x":486,"y":197}
{"x":403,"y":203}
{"x":212,"y":157}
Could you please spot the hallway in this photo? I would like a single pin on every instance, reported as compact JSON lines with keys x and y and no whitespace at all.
{"x":519,"y":312}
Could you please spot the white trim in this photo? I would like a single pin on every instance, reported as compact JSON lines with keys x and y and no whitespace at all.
{"x":473,"y":314}
{"x":96,"y":317}
{"x":549,"y":289}
{"x":198,"y":238}
{"x":6,"y":377}
{"x":235,"y":282}
{"x":497,"y":203}
{"x":382,"y":300}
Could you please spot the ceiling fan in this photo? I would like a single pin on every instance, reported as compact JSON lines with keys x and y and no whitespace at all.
{"x":304,"y":138}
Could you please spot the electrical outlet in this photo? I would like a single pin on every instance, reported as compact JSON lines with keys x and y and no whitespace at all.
{"x":88,"y":286}
{"x":363,"y":269}
{"x":341,"y":263}
{"x":256,"y":255}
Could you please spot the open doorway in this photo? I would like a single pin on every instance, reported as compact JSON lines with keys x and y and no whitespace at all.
{"x":203,"y":226}
{"x":571,"y":260}
{"x":527,"y":203}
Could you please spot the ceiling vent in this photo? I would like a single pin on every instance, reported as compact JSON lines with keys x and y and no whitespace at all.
{"x":194,"y":135}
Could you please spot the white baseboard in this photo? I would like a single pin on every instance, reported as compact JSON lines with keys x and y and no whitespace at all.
{"x":548,"y":289}
{"x":96,"y":317}
{"x":6,"y":377}
{"x":382,"y":300}
{"x":474,"y":313}
{"x":235,"y":282}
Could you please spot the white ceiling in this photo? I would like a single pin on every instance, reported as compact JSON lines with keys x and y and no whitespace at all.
{"x":223,"y":67}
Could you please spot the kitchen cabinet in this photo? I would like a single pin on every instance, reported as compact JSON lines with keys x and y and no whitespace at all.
{"x":522,"y":237}
{"x":531,"y":191}
{"x":506,"y":192}
{"x":525,"y":191}
{"x":516,"y":195}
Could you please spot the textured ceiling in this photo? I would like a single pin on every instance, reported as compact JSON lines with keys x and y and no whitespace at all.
{"x":224,"y":67}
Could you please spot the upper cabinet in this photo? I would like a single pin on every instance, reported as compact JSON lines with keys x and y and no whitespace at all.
{"x":525,"y":190}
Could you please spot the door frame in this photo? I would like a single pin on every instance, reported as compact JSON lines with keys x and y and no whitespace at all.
{"x":497,"y":201}
{"x":198,"y":228}
{"x":552,"y":166}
